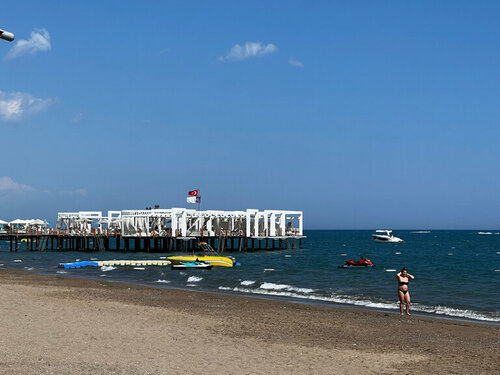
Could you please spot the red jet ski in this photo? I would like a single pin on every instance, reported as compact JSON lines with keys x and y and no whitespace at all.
{"x":363,"y":262}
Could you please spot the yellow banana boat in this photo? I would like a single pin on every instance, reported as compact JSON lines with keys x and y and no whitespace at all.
{"x":213,"y":257}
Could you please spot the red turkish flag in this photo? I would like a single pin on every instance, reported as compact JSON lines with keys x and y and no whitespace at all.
{"x":193,"y":193}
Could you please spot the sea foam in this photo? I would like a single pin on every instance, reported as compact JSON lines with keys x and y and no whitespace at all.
{"x":107,"y":268}
{"x":284,"y":290}
{"x":247,"y":282}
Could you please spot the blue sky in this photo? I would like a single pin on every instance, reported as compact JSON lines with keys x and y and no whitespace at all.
{"x":362,"y":114}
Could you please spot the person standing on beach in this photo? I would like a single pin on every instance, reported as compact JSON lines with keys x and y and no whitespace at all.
{"x":403,"y":293}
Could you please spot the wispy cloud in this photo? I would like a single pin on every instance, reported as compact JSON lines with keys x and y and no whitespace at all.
{"x":78,"y":117}
{"x":296,"y":63}
{"x":15,"y":105}
{"x":80,"y":191}
{"x":248,"y":50}
{"x":164,"y":50}
{"x":39,"y":41}
{"x":8,"y":185}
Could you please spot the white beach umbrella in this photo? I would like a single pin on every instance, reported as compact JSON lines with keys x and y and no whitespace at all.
{"x":4,"y":222}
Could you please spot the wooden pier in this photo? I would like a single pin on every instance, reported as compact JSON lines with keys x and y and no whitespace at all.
{"x":159,"y":230}
{"x":158,"y":244}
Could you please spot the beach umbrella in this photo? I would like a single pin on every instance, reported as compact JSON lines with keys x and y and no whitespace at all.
{"x":4,"y":222}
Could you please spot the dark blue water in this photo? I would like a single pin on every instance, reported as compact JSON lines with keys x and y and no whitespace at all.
{"x":456,"y":272}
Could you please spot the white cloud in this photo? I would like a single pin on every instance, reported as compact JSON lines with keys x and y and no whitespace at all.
{"x":15,"y":105}
{"x":8,"y":185}
{"x":80,"y":191}
{"x":296,"y":63}
{"x":248,"y":50}
{"x":78,"y":117}
{"x":39,"y":41}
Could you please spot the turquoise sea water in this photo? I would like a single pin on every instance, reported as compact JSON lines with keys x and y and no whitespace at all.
{"x":457,"y":273}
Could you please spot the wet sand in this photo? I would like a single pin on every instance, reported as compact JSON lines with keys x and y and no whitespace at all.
{"x":57,"y":325}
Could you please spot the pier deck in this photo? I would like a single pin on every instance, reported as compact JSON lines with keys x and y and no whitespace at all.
{"x":159,"y":244}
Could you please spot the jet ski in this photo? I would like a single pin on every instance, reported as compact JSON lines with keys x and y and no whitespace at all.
{"x":363,"y":262}
{"x":198,"y":264}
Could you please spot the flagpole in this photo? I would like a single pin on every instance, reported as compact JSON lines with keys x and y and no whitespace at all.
{"x":199,"y":200}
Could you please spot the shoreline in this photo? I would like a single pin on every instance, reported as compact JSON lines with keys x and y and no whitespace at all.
{"x":80,"y":325}
{"x":284,"y":299}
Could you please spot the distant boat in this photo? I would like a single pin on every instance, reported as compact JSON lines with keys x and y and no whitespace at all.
{"x":484,"y":233}
{"x":421,"y":231}
{"x":385,"y":235}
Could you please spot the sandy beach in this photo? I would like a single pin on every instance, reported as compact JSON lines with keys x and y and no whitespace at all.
{"x":57,"y":325}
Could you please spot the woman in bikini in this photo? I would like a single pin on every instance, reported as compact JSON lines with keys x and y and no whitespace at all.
{"x":404,"y":295}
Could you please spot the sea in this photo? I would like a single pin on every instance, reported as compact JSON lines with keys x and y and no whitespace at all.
{"x":457,"y":273}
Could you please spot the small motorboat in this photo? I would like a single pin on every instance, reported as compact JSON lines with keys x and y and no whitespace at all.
{"x":362,"y":263}
{"x":385,"y":235}
{"x":196,"y":264}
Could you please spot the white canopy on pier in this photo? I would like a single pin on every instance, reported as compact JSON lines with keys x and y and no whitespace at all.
{"x":19,"y":221}
{"x":36,"y":222}
{"x":4,"y":222}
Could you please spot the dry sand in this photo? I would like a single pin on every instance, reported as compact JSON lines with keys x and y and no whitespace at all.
{"x":56,"y":325}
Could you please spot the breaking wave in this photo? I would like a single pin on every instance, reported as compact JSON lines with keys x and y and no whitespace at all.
{"x":288,"y":291}
{"x":107,"y":268}
{"x":247,"y":282}
{"x":194,"y":279}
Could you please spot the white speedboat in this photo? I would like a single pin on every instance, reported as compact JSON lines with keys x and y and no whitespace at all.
{"x":385,"y":235}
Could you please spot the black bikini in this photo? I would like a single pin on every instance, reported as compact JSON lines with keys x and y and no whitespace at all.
{"x":403,"y":283}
